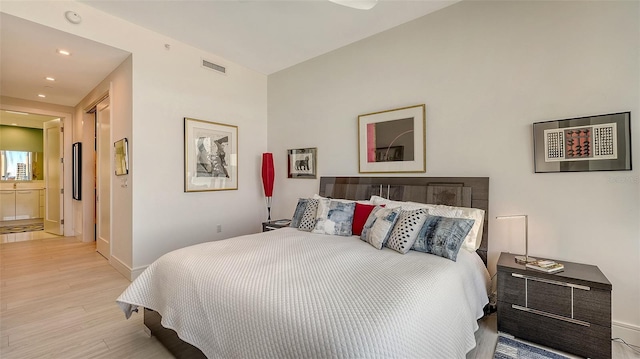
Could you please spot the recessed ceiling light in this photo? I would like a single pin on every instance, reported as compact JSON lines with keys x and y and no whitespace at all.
{"x":49,"y":78}
{"x":41,"y":95}
{"x":64,"y":52}
{"x":16,"y":112}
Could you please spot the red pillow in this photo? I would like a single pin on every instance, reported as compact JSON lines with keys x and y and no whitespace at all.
{"x":360,"y":216}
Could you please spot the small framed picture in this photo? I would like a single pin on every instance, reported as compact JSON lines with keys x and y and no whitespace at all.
{"x":210,"y":156}
{"x":302,"y":163}
{"x":121,"y":148}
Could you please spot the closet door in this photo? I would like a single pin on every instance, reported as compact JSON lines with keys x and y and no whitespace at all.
{"x":104,"y":170}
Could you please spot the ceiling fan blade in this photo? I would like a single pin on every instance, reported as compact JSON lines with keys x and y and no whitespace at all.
{"x":357,"y":4}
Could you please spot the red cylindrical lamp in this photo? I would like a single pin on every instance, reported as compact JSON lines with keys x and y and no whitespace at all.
{"x":268,"y":176}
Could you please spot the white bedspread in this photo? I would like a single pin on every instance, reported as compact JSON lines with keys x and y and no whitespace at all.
{"x":292,"y":294}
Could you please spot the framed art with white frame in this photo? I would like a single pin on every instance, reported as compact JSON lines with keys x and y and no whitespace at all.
{"x":210,"y":156}
{"x":392,"y":141}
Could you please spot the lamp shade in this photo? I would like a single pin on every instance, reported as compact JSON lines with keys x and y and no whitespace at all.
{"x":268,"y":173}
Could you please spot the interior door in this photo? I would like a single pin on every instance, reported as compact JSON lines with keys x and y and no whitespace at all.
{"x":53,"y":177}
{"x":103,"y":178}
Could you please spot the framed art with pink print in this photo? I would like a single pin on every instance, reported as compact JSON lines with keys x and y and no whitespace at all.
{"x":392,"y":141}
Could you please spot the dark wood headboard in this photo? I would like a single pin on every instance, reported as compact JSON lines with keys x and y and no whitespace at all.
{"x":452,"y":191}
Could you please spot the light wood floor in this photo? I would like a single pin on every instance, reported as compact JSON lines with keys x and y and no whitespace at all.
{"x":57,"y":300}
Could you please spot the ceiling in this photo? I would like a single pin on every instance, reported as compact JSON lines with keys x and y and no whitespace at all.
{"x":264,"y":35}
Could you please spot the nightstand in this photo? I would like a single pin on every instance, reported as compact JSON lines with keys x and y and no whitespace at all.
{"x":568,"y":310}
{"x":277,"y":224}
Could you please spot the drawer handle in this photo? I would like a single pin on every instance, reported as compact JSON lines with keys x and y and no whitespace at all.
{"x":549,"y":281}
{"x":550,"y":315}
{"x":269,"y":227}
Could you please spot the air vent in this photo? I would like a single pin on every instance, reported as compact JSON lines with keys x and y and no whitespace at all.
{"x":215,"y":67}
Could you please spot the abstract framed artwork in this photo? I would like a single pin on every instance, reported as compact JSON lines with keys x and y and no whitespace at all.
{"x":210,"y":156}
{"x":121,"y":157}
{"x":592,"y":143}
{"x":302,"y":163}
{"x":392,"y":141}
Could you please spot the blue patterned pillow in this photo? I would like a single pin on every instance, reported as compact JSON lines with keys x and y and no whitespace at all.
{"x":379,"y":225}
{"x":334,"y":217}
{"x":443,"y":236}
{"x":299,"y":212}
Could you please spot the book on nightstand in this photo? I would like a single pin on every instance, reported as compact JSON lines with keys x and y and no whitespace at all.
{"x":546,"y":266}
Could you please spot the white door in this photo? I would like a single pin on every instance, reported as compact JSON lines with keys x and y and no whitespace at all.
{"x":103,"y":178}
{"x":53,"y":177}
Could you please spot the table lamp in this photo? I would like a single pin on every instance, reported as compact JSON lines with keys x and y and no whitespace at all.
{"x":522,"y":259}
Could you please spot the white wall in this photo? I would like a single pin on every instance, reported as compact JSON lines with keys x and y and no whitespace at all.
{"x":167,"y":86}
{"x":118,"y":85}
{"x":486,"y":71}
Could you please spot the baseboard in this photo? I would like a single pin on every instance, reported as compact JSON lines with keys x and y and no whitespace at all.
{"x":121,"y":267}
{"x":629,"y":332}
{"x":125,"y":270}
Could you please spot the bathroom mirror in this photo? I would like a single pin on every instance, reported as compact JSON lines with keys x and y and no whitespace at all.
{"x":21,"y":166}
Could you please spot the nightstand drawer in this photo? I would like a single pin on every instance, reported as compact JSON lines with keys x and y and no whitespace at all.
{"x":593,"y":341}
{"x":593,"y":306}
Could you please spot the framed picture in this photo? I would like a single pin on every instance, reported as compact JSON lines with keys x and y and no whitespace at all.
{"x":76,"y":171}
{"x":302,"y":163}
{"x":392,"y":141}
{"x":593,"y":143}
{"x":210,"y":156}
{"x":121,"y":157}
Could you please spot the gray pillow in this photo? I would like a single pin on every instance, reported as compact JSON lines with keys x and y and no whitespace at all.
{"x":299,"y":212}
{"x":443,"y":236}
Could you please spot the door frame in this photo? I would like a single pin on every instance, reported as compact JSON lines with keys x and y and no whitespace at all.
{"x":66,"y":120}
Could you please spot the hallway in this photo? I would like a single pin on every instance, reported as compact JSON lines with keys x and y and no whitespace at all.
{"x":57,"y":300}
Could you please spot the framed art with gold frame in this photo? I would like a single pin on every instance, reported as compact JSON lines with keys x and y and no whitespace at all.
{"x":121,"y":157}
{"x":392,"y":141}
{"x":210,"y":156}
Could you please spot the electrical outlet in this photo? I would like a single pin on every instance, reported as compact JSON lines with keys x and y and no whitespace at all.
{"x":219,"y":228}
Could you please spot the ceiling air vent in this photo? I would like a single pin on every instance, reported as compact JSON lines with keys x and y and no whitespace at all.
{"x":215,"y":67}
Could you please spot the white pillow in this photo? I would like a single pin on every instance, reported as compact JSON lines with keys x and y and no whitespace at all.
{"x":407,"y":206}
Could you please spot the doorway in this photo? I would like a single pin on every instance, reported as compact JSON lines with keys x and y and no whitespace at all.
{"x":29,"y":196}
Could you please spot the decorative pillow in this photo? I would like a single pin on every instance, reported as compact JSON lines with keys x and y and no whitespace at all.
{"x":360,"y":216}
{"x":297,"y":214}
{"x":379,"y":225}
{"x":406,"y":230}
{"x":474,"y":238}
{"x":308,"y":221}
{"x":443,"y":236}
{"x":334,"y":217}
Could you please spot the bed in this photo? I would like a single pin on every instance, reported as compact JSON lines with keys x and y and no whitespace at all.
{"x":294,"y":294}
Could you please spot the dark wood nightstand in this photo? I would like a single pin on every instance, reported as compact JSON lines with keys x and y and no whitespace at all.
{"x":276,"y":224}
{"x":569,"y":310}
